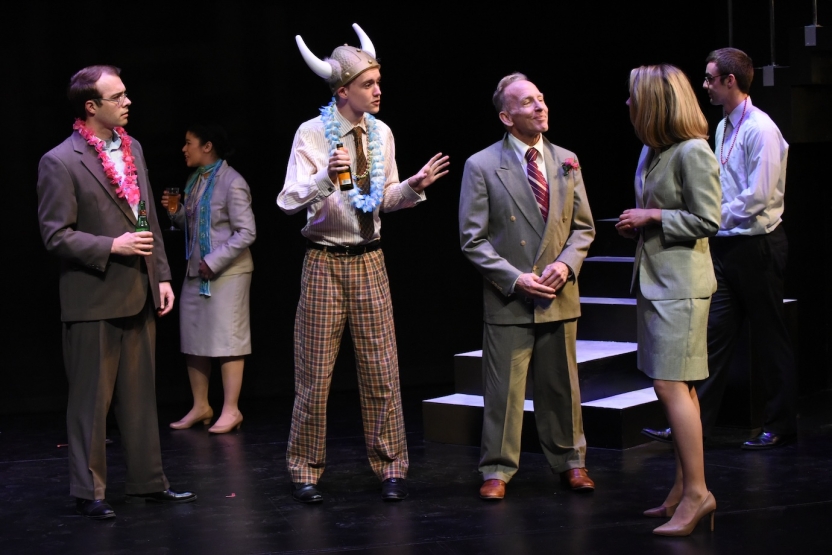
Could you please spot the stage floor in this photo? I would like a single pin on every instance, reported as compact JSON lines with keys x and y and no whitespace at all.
{"x":776,"y":501}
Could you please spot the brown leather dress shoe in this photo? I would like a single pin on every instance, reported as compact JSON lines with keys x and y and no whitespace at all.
{"x":493,"y":489}
{"x":577,"y":479}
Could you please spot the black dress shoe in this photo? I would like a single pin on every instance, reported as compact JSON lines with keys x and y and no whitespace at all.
{"x":393,"y":489}
{"x":306,"y":493}
{"x":167,"y":496}
{"x":665,"y":436}
{"x":96,"y":509}
{"x":768,"y":440}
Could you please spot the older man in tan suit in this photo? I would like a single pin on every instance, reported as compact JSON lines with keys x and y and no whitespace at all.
{"x":112,"y":281}
{"x":525,"y":223}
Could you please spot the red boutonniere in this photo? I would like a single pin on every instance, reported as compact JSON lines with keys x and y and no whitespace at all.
{"x":568,"y":165}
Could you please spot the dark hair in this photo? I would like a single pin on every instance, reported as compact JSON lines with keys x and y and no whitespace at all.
{"x":732,"y":61}
{"x":82,"y":87}
{"x":215,"y":134}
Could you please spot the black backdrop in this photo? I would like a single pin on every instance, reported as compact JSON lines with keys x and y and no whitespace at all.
{"x":237,"y":63}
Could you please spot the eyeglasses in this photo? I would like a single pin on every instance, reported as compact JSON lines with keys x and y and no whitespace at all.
{"x":119,"y":100}
{"x":710,"y":78}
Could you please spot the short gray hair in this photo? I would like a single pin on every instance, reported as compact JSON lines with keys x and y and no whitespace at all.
{"x":499,"y":94}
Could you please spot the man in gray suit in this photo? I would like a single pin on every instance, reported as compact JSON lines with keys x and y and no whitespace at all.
{"x":525,"y":223}
{"x":112,"y":280}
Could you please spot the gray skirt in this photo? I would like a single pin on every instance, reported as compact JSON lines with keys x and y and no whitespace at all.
{"x":673,"y":338}
{"x":216,"y":326}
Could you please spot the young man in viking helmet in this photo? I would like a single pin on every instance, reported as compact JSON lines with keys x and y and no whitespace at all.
{"x":344,"y":276}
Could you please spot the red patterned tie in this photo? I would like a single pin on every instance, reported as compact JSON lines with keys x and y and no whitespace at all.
{"x":537,"y":180}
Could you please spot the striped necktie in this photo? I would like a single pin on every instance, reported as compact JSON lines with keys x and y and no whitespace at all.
{"x":366,"y":223}
{"x":537,"y":180}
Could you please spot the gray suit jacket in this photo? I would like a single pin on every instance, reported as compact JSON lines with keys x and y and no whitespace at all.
{"x":503,"y":233}
{"x":672,"y":259}
{"x":80,"y":215}
{"x":232,"y":226}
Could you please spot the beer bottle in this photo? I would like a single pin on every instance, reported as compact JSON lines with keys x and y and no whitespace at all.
{"x":344,"y":177}
{"x":142,"y":223}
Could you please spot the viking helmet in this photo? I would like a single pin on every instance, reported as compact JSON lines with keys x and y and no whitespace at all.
{"x":346,"y":62}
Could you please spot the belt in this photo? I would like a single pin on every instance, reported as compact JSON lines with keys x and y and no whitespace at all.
{"x":349,"y":251}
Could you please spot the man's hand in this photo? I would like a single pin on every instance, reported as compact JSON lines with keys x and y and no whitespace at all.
{"x":554,"y":275}
{"x":339,"y":161}
{"x":138,"y":242}
{"x":429,"y":173}
{"x":166,"y":297}
{"x":631,"y":220}
{"x":529,"y":285}
{"x":204,"y":271}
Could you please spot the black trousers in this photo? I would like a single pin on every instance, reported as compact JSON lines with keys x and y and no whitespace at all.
{"x":749,"y":274}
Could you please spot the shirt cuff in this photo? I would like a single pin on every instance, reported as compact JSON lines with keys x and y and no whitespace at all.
{"x":410,"y":194}
{"x":324,"y":184}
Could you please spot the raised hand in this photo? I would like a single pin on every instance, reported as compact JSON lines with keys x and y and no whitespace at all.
{"x":430,"y":172}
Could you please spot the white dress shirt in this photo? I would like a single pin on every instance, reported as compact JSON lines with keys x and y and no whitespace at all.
{"x":753,"y":177}
{"x":330,"y":217}
{"x":520,"y":149}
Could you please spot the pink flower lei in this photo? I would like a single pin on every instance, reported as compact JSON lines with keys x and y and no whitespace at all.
{"x":128,"y":186}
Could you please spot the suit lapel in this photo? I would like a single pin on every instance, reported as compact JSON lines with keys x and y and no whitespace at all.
{"x":514,"y":179}
{"x":558,"y":186}
{"x":91,"y":161}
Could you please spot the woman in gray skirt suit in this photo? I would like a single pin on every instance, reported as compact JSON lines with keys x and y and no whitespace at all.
{"x":214,"y":305}
{"x":678,"y":198}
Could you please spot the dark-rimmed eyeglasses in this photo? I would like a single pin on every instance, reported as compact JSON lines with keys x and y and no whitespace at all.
{"x":710,"y":78}
{"x":119,"y":100}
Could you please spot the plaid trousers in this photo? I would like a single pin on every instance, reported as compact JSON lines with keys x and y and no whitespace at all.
{"x":335,"y":289}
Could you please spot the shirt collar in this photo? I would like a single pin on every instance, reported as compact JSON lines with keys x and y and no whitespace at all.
{"x":736,"y":114}
{"x":114,"y":143}
{"x":346,"y":125}
{"x":520,"y":147}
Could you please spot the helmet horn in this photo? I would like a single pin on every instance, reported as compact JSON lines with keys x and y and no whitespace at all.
{"x":320,"y":67}
{"x":366,"y":43}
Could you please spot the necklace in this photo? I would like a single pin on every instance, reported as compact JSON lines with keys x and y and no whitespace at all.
{"x":127,"y":185}
{"x":737,"y":132}
{"x":375,"y":159}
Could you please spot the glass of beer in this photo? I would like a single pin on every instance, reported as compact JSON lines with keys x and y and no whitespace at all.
{"x":173,"y":203}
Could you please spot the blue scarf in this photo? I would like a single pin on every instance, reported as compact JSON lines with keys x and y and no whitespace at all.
{"x":204,"y":221}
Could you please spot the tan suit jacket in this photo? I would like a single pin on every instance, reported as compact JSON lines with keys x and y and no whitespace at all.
{"x":672,"y":260}
{"x":503,"y":233}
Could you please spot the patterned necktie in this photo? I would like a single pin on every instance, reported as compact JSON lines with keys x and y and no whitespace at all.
{"x":366,"y":225}
{"x":537,"y":180}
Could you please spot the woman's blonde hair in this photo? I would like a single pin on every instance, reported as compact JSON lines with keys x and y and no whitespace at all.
{"x":663,"y":107}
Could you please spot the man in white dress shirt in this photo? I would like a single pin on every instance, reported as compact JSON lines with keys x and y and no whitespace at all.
{"x":344,"y":277}
{"x":749,"y":253}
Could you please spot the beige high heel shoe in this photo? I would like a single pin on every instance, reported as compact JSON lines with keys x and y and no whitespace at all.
{"x":184,"y":424}
{"x":708,"y":507}
{"x":664,"y":511}
{"x":225,"y":429}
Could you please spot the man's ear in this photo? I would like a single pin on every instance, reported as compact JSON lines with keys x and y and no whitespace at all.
{"x":90,"y":106}
{"x":342,"y":93}
{"x":207,"y":147}
{"x":506,"y":119}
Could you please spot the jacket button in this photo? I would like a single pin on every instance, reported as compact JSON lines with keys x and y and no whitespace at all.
{"x":564,"y":219}
{"x":534,"y":268}
{"x":513,"y":218}
{"x":522,"y":243}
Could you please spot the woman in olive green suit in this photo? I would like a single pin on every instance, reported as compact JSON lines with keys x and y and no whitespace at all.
{"x":678,"y":200}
